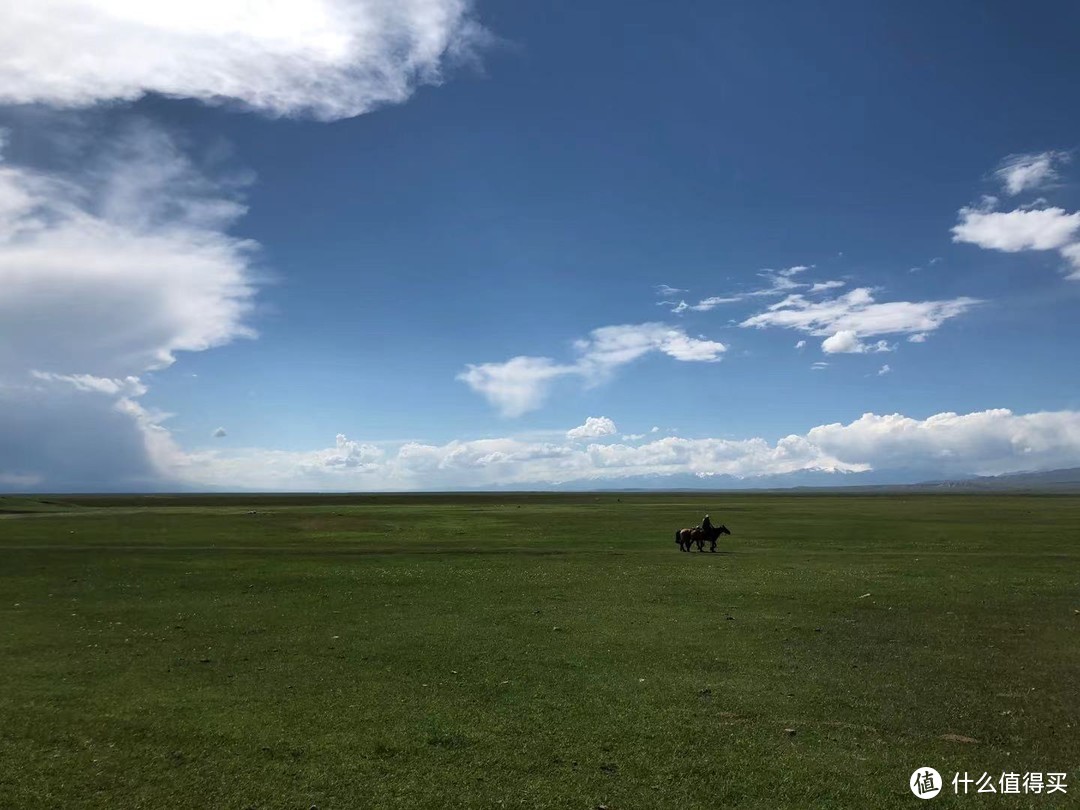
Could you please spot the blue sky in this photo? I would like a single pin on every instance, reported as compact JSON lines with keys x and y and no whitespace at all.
{"x":452,"y":234}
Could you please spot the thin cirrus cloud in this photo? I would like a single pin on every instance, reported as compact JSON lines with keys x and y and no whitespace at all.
{"x":327,"y":59}
{"x":1019,"y":173}
{"x":521,"y":384}
{"x":780,"y":282}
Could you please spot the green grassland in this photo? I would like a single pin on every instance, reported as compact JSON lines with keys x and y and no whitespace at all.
{"x":534,"y":650}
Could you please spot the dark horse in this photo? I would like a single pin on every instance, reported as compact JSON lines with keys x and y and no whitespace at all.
{"x":687,"y":537}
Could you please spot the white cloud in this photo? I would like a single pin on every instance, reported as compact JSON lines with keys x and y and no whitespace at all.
{"x":822,"y":286}
{"x":847,"y":341}
{"x":105,"y":275}
{"x":984,"y":443}
{"x":127,"y":387}
{"x":843,"y":341}
{"x":946,"y":444}
{"x":707,"y":304}
{"x":820,"y":365}
{"x":219,"y":433}
{"x":1024,"y":228}
{"x":858,"y":312}
{"x":1020,"y":173}
{"x":522,"y":383}
{"x":1072,"y":255}
{"x":134,"y":261}
{"x":780,"y":282}
{"x":801,"y":344}
{"x":594,"y":427}
{"x":884,"y":370}
{"x":1013,"y":231}
{"x":328,"y":59}
{"x":516,"y":386}
{"x":919,"y":337}
{"x":665,"y":291}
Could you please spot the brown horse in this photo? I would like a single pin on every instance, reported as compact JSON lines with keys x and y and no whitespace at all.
{"x":687,"y":537}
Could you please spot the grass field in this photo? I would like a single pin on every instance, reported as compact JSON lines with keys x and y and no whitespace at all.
{"x":534,"y":650}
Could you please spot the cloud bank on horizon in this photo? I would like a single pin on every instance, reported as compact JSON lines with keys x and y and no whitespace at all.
{"x":947,"y":444}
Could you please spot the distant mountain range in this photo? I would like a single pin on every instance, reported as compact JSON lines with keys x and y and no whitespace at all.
{"x":1051,"y":481}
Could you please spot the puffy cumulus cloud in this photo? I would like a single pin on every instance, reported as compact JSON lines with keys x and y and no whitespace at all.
{"x":1019,"y":173}
{"x":106,"y":274}
{"x":1034,"y":226}
{"x":857,"y":312}
{"x":846,"y":341}
{"x":347,"y":454}
{"x":594,"y":427}
{"x":986,"y":443}
{"x":327,"y":59}
{"x":1014,"y":231}
{"x":522,"y":383}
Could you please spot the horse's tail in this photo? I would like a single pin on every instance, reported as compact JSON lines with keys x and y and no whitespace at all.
{"x":678,"y":536}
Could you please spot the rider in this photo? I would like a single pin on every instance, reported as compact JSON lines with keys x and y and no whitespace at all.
{"x":706,"y":524}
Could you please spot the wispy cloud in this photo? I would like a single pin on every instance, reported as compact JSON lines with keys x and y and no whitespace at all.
{"x":664,"y":291}
{"x":848,"y":318}
{"x":327,"y":59}
{"x":522,"y":383}
{"x":823,"y":286}
{"x":884,"y":370}
{"x":779,"y":283}
{"x":1019,"y":173}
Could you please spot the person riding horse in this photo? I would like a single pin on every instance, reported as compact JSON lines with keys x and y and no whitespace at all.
{"x":699,"y":534}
